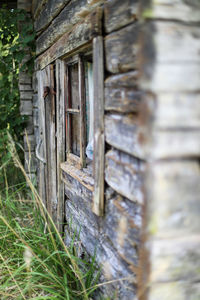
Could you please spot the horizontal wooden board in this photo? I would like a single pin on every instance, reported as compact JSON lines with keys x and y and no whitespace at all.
{"x":123,"y":132}
{"x":80,"y":35}
{"x":173,"y":198}
{"x":128,"y":80}
{"x":120,"y":13}
{"x":86,"y":180}
{"x":175,"y":143}
{"x":173,"y":77}
{"x":187,"y":11}
{"x":63,"y":23}
{"x":121,"y":49}
{"x":37,"y":6}
{"x":124,"y":174}
{"x":176,"y":43}
{"x":48,"y":12}
{"x":123,"y":100}
{"x":183,"y":290}
{"x":177,"y":110}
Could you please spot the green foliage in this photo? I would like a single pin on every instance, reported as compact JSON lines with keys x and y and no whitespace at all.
{"x":13,"y":48}
{"x":34,"y":261}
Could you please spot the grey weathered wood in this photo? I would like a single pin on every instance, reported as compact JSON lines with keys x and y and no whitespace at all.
{"x":121,"y":93}
{"x":98,"y":67}
{"x":169,"y":78}
{"x":127,"y":80}
{"x":81,"y":80}
{"x":120,"y":13}
{"x":124,"y":133}
{"x":63,"y":23}
{"x":30,"y":162}
{"x":186,"y":11}
{"x":183,"y":143}
{"x":79,"y":175}
{"x":26,"y":108}
{"x":179,"y":257}
{"x":79,"y":36}
{"x":180,"y":110}
{"x":49,"y":11}
{"x":37,"y":6}
{"x":24,"y":78}
{"x":26,"y":95}
{"x":173,"y":198}
{"x":60,"y":137}
{"x":124,"y":174}
{"x":51,"y":145}
{"x":29,"y":142}
{"x":173,"y":42}
{"x":42,"y":136}
{"x":123,"y":100}
{"x":121,"y":48}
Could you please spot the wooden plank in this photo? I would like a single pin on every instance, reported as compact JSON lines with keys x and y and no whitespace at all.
{"x":99,"y":144}
{"x":61,"y":24}
{"x":186,"y":11}
{"x":175,"y":42}
{"x":42,"y":137}
{"x":82,"y":129}
{"x":183,"y":143}
{"x":124,"y":174}
{"x":177,"y":110}
{"x":173,"y":199}
{"x":124,"y":132}
{"x":37,"y":6}
{"x":120,"y":13}
{"x":123,"y":100}
{"x":127,"y":80}
{"x":169,"y":78}
{"x":51,"y":145}
{"x":80,"y":175}
{"x":60,"y":135}
{"x":49,"y":11}
{"x":80,"y":35}
{"x":122,"y":94}
{"x":121,"y":48}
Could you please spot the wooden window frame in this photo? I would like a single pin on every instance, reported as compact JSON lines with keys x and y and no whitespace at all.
{"x":80,"y":162}
{"x":74,"y":165}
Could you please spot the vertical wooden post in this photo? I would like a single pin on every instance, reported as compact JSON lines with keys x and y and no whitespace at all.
{"x":60,"y":134}
{"x":99,"y":143}
{"x":82,"y":111}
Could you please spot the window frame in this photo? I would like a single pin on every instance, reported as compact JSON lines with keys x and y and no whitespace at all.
{"x":78,"y":164}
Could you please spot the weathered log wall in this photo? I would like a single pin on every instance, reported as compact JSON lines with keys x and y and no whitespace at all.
{"x":115,"y":236}
{"x":171,"y":79}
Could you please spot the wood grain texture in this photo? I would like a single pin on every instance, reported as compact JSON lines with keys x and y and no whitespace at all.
{"x":177,"y":179}
{"x":80,"y":35}
{"x":181,"y":10}
{"x":49,"y":11}
{"x":124,"y":174}
{"x":123,"y":132}
{"x":98,"y":67}
{"x":120,"y":13}
{"x":60,"y":138}
{"x":42,"y":136}
{"x":61,"y":24}
{"x":37,"y":6}
{"x":122,"y":94}
{"x":50,"y":114}
{"x":121,"y":49}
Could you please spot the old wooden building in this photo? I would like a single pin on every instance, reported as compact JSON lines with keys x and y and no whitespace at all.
{"x":114,"y":119}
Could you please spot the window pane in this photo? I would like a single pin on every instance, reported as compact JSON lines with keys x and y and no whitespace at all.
{"x":73,"y":101}
{"x":89,"y":110}
{"x":75,"y":134}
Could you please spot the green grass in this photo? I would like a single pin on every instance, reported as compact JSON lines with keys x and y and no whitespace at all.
{"x":34,"y":261}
